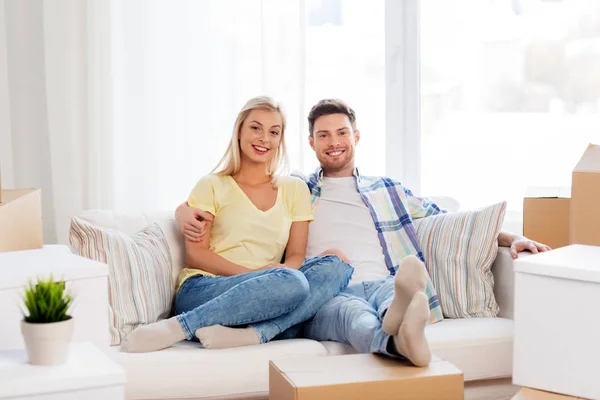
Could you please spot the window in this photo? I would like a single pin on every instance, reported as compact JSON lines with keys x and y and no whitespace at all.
{"x":510,"y":95}
{"x":345,"y":58}
{"x":183,"y":69}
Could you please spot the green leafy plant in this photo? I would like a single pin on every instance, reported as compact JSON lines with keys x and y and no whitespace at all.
{"x":46,"y":301}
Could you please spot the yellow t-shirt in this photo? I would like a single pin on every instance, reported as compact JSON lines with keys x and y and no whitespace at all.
{"x":241,"y":233}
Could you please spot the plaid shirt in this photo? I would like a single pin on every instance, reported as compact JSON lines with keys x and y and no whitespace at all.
{"x":393,"y":208}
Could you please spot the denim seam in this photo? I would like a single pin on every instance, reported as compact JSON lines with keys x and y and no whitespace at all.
{"x":184,"y":326}
{"x":263,"y":338}
{"x":263,"y":317}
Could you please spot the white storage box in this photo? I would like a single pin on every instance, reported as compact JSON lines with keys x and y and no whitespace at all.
{"x":89,"y":374}
{"x":557,"y":321}
{"x":87,"y":279}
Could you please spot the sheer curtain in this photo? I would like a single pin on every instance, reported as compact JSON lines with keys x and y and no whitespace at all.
{"x":125,"y":104}
{"x":50,"y":137}
{"x":181,"y":71}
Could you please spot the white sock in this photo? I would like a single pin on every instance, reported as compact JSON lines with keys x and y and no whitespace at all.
{"x":410,"y":341}
{"x":153,"y":337}
{"x":222,"y":337}
{"x":410,"y":279}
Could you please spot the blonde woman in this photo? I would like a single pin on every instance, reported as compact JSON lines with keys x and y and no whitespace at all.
{"x":235,"y":291}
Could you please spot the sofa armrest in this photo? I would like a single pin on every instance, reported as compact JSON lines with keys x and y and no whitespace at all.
{"x":504,"y":281}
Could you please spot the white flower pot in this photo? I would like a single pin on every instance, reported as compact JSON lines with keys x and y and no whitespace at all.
{"x":47,"y":344}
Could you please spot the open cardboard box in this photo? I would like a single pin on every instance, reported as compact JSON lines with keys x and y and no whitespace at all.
{"x":585,"y":198}
{"x":559,"y":216}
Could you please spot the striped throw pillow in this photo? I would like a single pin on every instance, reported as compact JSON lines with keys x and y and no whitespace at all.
{"x":140,"y":290}
{"x":459,"y":250}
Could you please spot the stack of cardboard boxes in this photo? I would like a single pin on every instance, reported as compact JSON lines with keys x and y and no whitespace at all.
{"x":20,"y":219}
{"x":562,"y":216}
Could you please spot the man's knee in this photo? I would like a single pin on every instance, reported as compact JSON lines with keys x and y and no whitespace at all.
{"x":334,"y":269}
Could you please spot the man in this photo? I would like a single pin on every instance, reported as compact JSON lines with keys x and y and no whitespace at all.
{"x":368,"y":221}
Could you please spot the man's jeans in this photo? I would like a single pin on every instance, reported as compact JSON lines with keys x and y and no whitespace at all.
{"x":270,"y":301}
{"x":355,"y":316}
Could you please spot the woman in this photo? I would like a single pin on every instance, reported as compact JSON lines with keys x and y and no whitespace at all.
{"x":235,"y":292}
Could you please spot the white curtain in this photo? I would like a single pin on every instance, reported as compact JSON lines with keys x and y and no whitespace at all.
{"x":182,"y":71}
{"x":125,"y":104}
{"x":45,"y":108}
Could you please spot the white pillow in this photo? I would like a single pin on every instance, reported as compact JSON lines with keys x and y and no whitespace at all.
{"x":140,"y":290}
{"x":459,"y":250}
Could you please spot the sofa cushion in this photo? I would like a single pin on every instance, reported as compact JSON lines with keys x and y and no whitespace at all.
{"x":459,"y":250}
{"x":480,"y":347}
{"x":186,"y":371}
{"x":140,"y":290}
{"x":132,"y":223}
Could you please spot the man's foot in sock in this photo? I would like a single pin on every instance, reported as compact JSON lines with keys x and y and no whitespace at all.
{"x":410,"y":279}
{"x":222,"y":337}
{"x":153,"y":337}
{"x":410,"y":340}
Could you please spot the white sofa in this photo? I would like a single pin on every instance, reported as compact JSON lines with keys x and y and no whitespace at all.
{"x":481,"y":348}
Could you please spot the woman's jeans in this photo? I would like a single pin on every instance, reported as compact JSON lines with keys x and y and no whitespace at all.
{"x":269,"y":301}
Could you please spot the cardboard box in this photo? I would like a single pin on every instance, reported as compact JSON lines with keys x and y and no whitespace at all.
{"x":585,"y":198}
{"x":21,"y":220}
{"x":546,"y":215}
{"x":531,"y":394}
{"x":555,"y":345}
{"x":360,"y":377}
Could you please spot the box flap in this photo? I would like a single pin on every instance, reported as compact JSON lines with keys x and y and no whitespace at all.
{"x":590,"y":160}
{"x":356,"y":368}
{"x":9,"y":195}
{"x":575,"y":262}
{"x":549,"y":192}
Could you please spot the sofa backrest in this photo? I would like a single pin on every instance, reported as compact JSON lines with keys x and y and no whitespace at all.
{"x":131,"y":223}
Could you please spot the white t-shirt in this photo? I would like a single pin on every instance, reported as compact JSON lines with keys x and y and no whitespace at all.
{"x":343,"y":221}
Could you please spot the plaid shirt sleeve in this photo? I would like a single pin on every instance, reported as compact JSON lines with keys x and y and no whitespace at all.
{"x":421,"y":207}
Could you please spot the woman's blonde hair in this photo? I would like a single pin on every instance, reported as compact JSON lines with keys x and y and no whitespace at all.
{"x":230,"y":163}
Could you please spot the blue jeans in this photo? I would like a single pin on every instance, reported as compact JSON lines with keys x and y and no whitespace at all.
{"x":269,"y":301}
{"x":355,"y":317}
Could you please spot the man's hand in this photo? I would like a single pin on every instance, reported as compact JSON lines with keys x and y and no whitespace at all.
{"x":520,"y":244}
{"x":192,"y":222}
{"x":336,"y":252}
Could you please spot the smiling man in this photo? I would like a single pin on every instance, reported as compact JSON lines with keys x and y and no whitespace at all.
{"x":368,"y":222}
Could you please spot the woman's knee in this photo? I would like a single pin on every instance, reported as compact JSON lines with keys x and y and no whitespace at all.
{"x":293,"y":283}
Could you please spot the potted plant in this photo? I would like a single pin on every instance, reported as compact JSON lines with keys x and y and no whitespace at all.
{"x":47,"y":329}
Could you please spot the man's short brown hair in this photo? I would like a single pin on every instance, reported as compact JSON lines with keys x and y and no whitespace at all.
{"x":328,"y":107}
